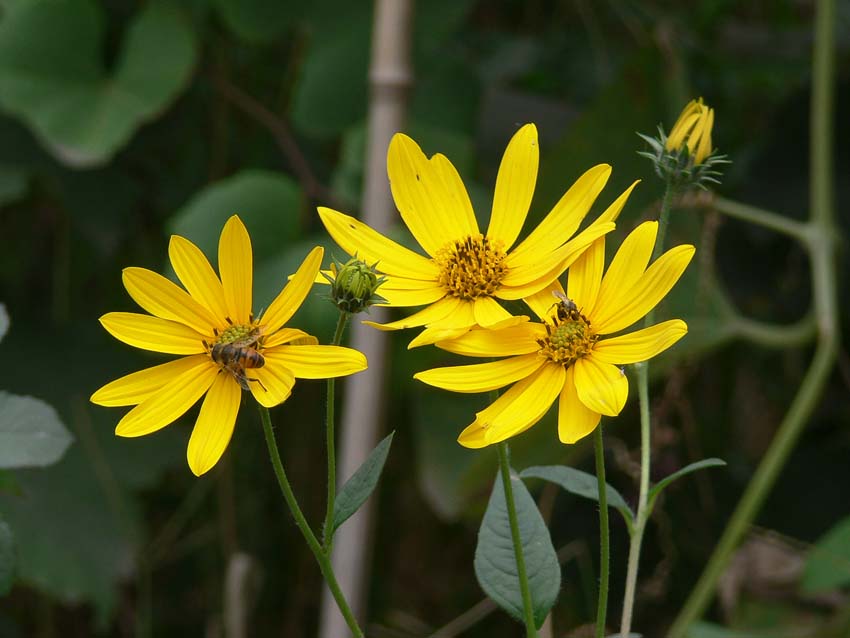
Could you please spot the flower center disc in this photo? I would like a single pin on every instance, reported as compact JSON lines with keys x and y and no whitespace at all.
{"x":245,"y":334}
{"x":568,"y":339}
{"x":472,"y":267}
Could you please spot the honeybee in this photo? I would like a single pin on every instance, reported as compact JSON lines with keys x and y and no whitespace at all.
{"x":239,"y":355}
{"x":566,"y":306}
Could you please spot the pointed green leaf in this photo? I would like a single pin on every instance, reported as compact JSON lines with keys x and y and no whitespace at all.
{"x":828,"y":563}
{"x":361,"y":484}
{"x":7,"y":557}
{"x":581,"y":484}
{"x":693,"y":467}
{"x":31,"y":433}
{"x":495,"y":562}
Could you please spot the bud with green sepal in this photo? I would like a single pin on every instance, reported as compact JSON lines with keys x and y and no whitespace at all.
{"x":354,"y":285}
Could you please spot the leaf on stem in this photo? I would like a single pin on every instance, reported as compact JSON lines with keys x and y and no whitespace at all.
{"x":495,"y":561}
{"x":828,"y":563}
{"x":581,"y":484}
{"x":31,"y":433}
{"x":693,"y":467}
{"x":361,"y":484}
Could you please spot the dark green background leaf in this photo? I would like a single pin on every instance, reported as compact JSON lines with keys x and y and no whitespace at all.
{"x":828,"y":563}
{"x":7,"y":557}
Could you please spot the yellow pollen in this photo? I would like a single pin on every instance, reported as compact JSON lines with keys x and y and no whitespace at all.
{"x":568,"y":339}
{"x":472,"y":267}
{"x":234,"y":333}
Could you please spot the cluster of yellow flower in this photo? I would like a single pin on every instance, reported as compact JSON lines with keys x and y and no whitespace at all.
{"x":567,"y":354}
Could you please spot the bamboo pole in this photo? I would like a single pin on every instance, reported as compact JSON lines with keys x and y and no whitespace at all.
{"x":390,"y":77}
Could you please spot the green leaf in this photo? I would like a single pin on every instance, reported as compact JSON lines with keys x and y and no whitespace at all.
{"x":361,"y":484}
{"x":581,"y":484}
{"x":257,"y":21}
{"x":13,"y":183}
{"x":7,"y":558}
{"x":31,"y":433}
{"x":53,"y":78}
{"x":828,"y":563}
{"x":4,"y":321}
{"x":693,"y":467}
{"x":495,"y":562}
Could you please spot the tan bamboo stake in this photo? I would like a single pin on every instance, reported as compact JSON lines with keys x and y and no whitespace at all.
{"x":390,"y":77}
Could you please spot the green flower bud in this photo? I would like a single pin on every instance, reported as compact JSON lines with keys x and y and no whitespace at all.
{"x":354,"y":285}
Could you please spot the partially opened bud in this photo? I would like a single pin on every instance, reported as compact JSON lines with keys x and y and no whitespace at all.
{"x":693,"y":131}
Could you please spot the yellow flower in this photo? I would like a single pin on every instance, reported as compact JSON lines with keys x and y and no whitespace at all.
{"x":226,"y":349}
{"x":466,"y":271}
{"x":570,"y":356}
{"x":693,"y":129}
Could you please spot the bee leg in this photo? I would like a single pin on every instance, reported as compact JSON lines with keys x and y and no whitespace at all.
{"x":258,"y":381}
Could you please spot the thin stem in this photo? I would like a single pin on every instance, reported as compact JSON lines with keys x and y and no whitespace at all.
{"x":640,"y":520}
{"x":304,"y":527}
{"x":330,"y":436}
{"x":528,"y":611}
{"x":820,"y":242}
{"x":760,"y":217}
{"x":670,"y":192}
{"x":604,"y":551}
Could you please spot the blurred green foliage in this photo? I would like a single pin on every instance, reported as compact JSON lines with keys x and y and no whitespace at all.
{"x":122,"y":122}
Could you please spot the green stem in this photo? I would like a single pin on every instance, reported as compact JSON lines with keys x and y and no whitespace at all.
{"x":642,"y":512}
{"x":604,"y":551}
{"x":321,"y":557}
{"x":636,"y":539}
{"x":760,"y":217}
{"x":820,"y":242}
{"x":330,"y":435}
{"x":528,"y":611}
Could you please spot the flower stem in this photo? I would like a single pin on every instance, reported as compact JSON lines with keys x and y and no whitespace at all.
{"x":304,"y":527}
{"x":604,"y":552}
{"x":330,"y":435}
{"x":528,"y":611}
{"x":636,"y":539}
{"x":640,"y":520}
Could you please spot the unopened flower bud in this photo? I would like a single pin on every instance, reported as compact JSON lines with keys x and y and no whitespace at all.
{"x":354,"y":285}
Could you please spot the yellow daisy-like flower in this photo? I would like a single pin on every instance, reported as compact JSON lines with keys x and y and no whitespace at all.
{"x":569,"y":356}
{"x":465,"y":270}
{"x":226,"y":349}
{"x":693,"y":129}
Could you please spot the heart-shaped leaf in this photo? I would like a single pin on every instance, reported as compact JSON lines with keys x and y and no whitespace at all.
{"x":361,"y":484}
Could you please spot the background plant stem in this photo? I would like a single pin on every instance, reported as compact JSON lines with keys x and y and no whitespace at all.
{"x":505,"y":468}
{"x":327,"y":530}
{"x":304,"y":526}
{"x":604,"y":550}
{"x":820,"y":241}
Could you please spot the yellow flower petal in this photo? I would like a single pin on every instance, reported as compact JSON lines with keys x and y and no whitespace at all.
{"x":164,"y":299}
{"x":289,"y":335}
{"x":482,"y":377}
{"x":489,"y":314}
{"x":433,"y":334}
{"x":627,"y":267}
{"x":356,"y":238}
{"x":401,"y":292}
{"x":704,"y":148}
{"x":170,"y":402}
{"x":514,"y":186}
{"x":317,"y":362}
{"x":293,"y":294}
{"x":420,"y":195}
{"x":525,"y":407}
{"x":567,"y":214}
{"x":602,"y":387}
{"x":585,"y":276}
{"x":138,"y":386}
{"x":575,"y":419}
{"x":640,"y":345}
{"x":214,"y":426}
{"x":453,"y":197}
{"x":544,"y":302}
{"x":197,"y":276}
{"x":153,"y":333}
{"x":273,"y":383}
{"x":633,"y":304}
{"x":613,"y":211}
{"x":531,"y":278}
{"x":473,"y":437}
{"x":514,"y":340}
{"x":235,"y":263}
{"x":434,"y":313}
